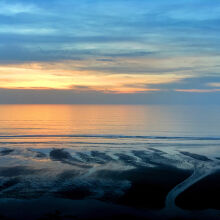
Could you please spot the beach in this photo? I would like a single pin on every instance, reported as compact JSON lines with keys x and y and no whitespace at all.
{"x":50,"y":170}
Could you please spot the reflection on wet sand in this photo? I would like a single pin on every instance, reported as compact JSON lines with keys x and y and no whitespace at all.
{"x":146,"y":180}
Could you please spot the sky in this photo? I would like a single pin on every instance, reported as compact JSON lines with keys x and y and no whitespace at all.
{"x":110,"y":51}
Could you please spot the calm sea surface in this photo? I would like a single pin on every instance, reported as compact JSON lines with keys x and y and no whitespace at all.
{"x":86,"y":125}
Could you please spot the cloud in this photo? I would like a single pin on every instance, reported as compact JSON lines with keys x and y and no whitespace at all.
{"x":122,"y":89}
{"x":14,"y":96}
{"x":120,"y":29}
{"x":198,"y":90}
{"x":214,"y":84}
{"x":192,"y":84}
{"x":100,"y":47}
{"x":16,"y":8}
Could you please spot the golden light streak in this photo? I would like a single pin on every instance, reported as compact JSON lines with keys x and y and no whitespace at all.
{"x":41,"y":76}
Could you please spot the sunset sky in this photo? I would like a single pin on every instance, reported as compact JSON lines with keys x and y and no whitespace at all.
{"x":110,"y":51}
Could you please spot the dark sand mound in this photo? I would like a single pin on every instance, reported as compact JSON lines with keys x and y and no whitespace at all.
{"x":195,"y":156}
{"x":17,"y":171}
{"x":101,"y":155}
{"x":60,"y":155}
{"x":89,"y":159}
{"x":204,"y":194}
{"x":6,"y":152}
{"x":65,"y":157}
{"x":8,"y":183}
{"x":149,"y":186}
{"x":74,"y":193}
{"x":127,"y":159}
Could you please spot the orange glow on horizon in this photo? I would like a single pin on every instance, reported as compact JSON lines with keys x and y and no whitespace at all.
{"x":46,"y":76}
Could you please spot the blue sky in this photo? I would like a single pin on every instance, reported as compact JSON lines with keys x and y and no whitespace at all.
{"x":126,"y":51}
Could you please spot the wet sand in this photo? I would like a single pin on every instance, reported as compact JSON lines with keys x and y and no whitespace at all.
{"x":202,"y":195}
{"x":58,"y":183}
{"x":149,"y":186}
